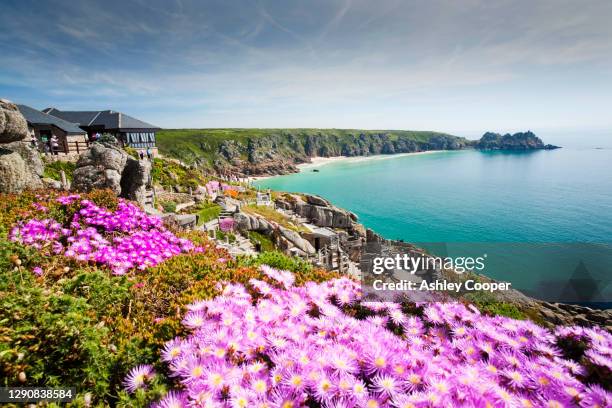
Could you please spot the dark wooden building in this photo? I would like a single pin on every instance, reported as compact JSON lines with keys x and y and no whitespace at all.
{"x":129,"y":131}
{"x":70,"y":137}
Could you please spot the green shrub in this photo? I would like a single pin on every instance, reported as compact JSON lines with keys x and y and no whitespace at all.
{"x":132,"y":152}
{"x":53,"y":170}
{"x":168,"y":206}
{"x":278,"y":260}
{"x":488,"y":304}
{"x":226,"y":236}
{"x":264,"y":242}
{"x":169,"y":173}
{"x":108,"y":140}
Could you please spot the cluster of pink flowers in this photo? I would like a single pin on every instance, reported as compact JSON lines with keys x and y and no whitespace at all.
{"x":123,"y":239}
{"x":226,"y":224}
{"x":319,"y":345}
{"x":227,"y":187}
{"x":214,"y":186}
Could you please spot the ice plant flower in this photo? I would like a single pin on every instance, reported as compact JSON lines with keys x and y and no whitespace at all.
{"x":139,"y":377}
{"x":278,"y":345}
{"x":125,"y":239}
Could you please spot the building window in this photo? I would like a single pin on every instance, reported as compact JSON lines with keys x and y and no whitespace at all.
{"x":140,"y":140}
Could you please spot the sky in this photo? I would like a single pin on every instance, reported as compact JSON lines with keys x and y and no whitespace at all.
{"x":459,"y":66}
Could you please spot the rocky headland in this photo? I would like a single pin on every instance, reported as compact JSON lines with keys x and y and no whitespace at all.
{"x":518,"y":141}
{"x":269,"y":152}
{"x":266,"y":152}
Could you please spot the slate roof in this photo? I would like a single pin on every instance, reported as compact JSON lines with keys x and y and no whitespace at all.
{"x":80,"y":117}
{"x":108,"y":119}
{"x":36,"y":117}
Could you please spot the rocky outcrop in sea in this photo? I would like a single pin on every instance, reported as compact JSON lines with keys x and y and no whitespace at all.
{"x":518,"y":141}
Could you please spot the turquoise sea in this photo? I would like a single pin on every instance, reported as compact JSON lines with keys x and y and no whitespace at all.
{"x":542,"y":218}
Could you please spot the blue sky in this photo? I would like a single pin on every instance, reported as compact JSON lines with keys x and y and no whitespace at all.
{"x":458,"y":66}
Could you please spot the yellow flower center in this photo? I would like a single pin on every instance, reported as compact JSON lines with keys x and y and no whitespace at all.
{"x":260,"y":386}
{"x":197,"y":371}
{"x":414,"y":378}
{"x":372,"y":404}
{"x":217,"y":379}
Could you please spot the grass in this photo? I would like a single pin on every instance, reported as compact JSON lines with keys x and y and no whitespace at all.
{"x":264,"y":242}
{"x":53,"y":170}
{"x":270,"y":214}
{"x":207,"y":212}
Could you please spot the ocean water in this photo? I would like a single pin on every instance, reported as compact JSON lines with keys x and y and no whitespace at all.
{"x":542,"y":218}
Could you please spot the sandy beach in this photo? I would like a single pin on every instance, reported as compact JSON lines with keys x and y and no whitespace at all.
{"x":316,"y":162}
{"x":251,"y":179}
{"x":322,"y":161}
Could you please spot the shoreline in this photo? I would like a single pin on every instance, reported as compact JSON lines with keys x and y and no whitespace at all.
{"x":322,"y":161}
{"x":318,"y":161}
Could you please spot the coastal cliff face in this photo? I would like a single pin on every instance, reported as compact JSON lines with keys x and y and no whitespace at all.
{"x":265,"y":152}
{"x":246,"y":152}
{"x":518,"y":141}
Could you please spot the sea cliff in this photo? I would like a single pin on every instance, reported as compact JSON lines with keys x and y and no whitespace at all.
{"x":266,"y":152}
{"x":257,"y":152}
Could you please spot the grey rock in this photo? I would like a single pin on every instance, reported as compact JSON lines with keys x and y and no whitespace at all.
{"x":13,"y":126}
{"x":283,"y":204}
{"x":550,"y":316}
{"x":321,"y":216}
{"x":358,"y":230}
{"x":248,"y":222}
{"x":372,"y":236}
{"x":29,"y":154}
{"x":20,"y":165}
{"x":50,"y":183}
{"x":581,"y":320}
{"x":328,"y":216}
{"x":109,"y":167}
{"x":135,"y":179}
{"x":296,"y":240}
{"x":185,"y":220}
{"x":316,"y":200}
{"x":16,"y":174}
{"x":13,"y":172}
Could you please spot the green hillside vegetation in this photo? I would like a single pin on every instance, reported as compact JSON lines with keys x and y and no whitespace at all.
{"x":207,"y":146}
